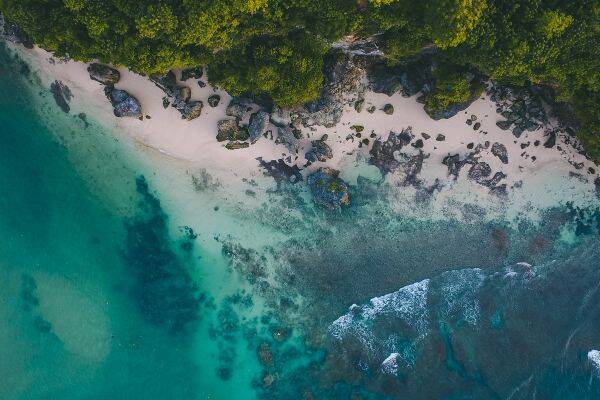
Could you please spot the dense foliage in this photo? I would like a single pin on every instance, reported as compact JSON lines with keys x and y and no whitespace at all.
{"x":277,"y":46}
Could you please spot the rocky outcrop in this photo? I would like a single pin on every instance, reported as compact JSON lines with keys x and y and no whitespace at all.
{"x":280,"y":171}
{"x":190,"y":110}
{"x":124,"y":104}
{"x":328,"y":189}
{"x":319,"y":151}
{"x":259,"y":123}
{"x":280,"y":117}
{"x":103,"y":74}
{"x":409,"y":78}
{"x":213,"y":100}
{"x":62,"y":95}
{"x":289,"y":137}
{"x":238,"y":107}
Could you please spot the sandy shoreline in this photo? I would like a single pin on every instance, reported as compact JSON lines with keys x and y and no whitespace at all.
{"x":536,"y":176}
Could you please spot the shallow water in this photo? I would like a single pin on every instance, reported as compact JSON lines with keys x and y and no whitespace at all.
{"x":129,"y":275}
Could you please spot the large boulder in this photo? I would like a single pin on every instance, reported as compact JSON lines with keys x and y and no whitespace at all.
{"x":280,"y":117}
{"x":124,"y":104}
{"x":238,"y":107}
{"x":259,"y":123}
{"x":289,"y":137}
{"x":103,"y":74}
{"x":167,"y":83}
{"x":328,"y":189}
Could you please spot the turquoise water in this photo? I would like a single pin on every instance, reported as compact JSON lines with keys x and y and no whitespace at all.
{"x":123,"y":278}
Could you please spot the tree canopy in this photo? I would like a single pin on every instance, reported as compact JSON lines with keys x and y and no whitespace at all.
{"x":277,"y":46}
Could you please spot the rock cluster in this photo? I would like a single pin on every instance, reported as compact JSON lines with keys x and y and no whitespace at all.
{"x":319,"y":151}
{"x":383,"y":153}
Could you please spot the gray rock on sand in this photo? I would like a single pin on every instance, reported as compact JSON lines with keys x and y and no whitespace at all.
{"x":259,"y":122}
{"x":124,"y":104}
{"x":103,"y":74}
{"x":383,"y":153}
{"x":499,"y":150}
{"x":62,"y":95}
{"x":320,"y":151}
{"x":238,"y":107}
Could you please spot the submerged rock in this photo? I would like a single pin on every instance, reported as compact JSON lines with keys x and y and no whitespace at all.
{"x":280,"y":171}
{"x":62,"y":95}
{"x":259,"y":122}
{"x":328,"y":190}
{"x":103,"y":74}
{"x":124,"y":104}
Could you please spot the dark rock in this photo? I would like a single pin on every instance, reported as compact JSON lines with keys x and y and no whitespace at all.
{"x":383,"y":152}
{"x":124,"y":104}
{"x":214,"y":100}
{"x":357,"y":128}
{"x":62,"y":95}
{"x":470,"y":145}
{"x":319,"y":151}
{"x":551,"y":141}
{"x":259,"y":122}
{"x":237,"y":145}
{"x":103,"y":74}
{"x":477,"y":126}
{"x":454,"y":164}
{"x":327,"y":189}
{"x":371,"y":109}
{"x":440,"y":137}
{"x":201,"y":84}
{"x":425,"y":136}
{"x":191,"y":110}
{"x":388,"y":109}
{"x":518,"y":131}
{"x":597,"y":185}
{"x":479,"y":171}
{"x":188,"y":73}
{"x":166,"y":102}
{"x":499,"y":150}
{"x":229,"y":129}
{"x":504,"y":125}
{"x":181,"y":94}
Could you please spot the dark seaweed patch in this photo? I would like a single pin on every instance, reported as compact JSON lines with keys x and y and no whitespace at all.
{"x":166,"y":294}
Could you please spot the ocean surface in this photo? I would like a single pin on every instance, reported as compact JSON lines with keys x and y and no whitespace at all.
{"x":128,"y":275}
